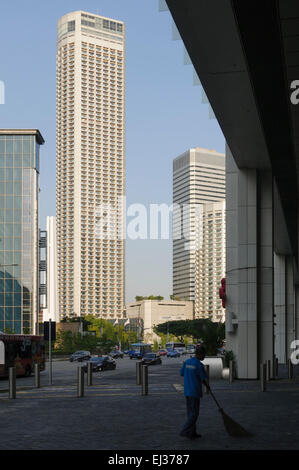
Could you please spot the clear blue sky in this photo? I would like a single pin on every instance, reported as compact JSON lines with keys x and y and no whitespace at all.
{"x":164,"y":113}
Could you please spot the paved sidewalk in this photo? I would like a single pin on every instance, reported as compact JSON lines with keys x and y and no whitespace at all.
{"x":114,"y":416}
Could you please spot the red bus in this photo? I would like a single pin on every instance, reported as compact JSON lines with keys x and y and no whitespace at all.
{"x":21,"y":352}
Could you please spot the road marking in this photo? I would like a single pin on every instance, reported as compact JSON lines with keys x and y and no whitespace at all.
{"x":179,"y":388}
{"x":88,"y":396}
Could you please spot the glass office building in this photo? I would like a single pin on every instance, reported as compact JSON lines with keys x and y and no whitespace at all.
{"x":19,"y":269}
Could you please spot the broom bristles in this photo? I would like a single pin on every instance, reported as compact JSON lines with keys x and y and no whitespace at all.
{"x":233,"y":429}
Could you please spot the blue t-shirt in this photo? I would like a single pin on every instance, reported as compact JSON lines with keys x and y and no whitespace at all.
{"x":193,"y":372}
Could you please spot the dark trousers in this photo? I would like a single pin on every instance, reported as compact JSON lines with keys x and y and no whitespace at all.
{"x":193,"y":405}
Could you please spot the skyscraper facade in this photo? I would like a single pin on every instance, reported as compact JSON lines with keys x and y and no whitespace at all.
{"x":19,"y":234}
{"x":210,"y":263}
{"x":198,"y":179}
{"x":90,"y":162}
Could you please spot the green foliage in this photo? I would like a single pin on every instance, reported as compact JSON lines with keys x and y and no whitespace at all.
{"x":228,"y":356}
{"x":173,"y":297}
{"x":109,"y":335}
{"x":106,"y":337}
{"x":211,"y":334}
{"x":139,"y":298}
{"x":68,"y":342}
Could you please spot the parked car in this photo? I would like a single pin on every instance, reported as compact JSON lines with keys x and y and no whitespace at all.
{"x":191,"y":349}
{"x":151,"y":359}
{"x":181,"y":350}
{"x":80,"y":356}
{"x":135,"y":355}
{"x":101,"y":363}
{"x":162,"y":352}
{"x":127,"y":352}
{"x":173,"y":353}
{"x":117,"y":354}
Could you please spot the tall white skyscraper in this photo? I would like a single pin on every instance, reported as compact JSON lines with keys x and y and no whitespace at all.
{"x":198,"y":180}
{"x":90,"y":162}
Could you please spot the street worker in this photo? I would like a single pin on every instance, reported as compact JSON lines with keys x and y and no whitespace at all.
{"x":194,"y":376}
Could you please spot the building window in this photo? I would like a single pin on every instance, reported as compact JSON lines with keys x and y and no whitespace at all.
{"x":71,"y":26}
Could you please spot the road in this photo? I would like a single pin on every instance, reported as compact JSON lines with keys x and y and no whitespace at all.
{"x":65,"y":373}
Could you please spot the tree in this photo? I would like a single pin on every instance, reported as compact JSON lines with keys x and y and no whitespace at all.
{"x":68,"y":342}
{"x":139,"y":298}
{"x":178,"y":328}
{"x":211,"y":334}
{"x":174,"y":297}
{"x":109,"y":335}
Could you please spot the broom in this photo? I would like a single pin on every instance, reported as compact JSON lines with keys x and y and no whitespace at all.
{"x":232,"y":428}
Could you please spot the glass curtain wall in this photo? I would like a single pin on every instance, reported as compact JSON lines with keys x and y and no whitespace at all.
{"x":19,"y":164}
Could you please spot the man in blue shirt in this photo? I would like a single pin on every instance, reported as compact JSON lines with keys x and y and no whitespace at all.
{"x":194,"y":376}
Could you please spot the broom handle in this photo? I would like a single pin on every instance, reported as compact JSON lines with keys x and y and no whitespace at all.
{"x":213,"y":396}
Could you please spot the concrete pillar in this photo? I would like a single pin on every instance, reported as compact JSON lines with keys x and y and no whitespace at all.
{"x":265,"y":267}
{"x":296,"y":312}
{"x":249,"y":265}
{"x":290,"y":311}
{"x":280,"y":307}
{"x":241,"y":263}
{"x":231,"y":254}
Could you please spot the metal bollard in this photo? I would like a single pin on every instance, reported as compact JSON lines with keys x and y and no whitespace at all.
{"x":263,"y":377}
{"x":231,"y":371}
{"x":12,"y":383}
{"x":80,"y":383}
{"x":276,"y":367}
{"x":268,"y":365}
{"x":144,"y":381}
{"x":89,"y":374}
{"x":138,"y":372}
{"x":37,"y":375}
{"x":207,"y":369}
{"x":290,"y":369}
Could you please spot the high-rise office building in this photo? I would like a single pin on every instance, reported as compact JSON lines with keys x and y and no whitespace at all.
{"x":198,"y":179}
{"x":210,"y":262}
{"x":90,"y":162}
{"x":19,"y":234}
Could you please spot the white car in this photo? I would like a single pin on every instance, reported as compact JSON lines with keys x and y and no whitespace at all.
{"x":181,"y":350}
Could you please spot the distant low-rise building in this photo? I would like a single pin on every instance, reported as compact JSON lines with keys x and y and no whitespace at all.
{"x":154,"y":312}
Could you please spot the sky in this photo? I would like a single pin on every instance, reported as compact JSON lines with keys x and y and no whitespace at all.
{"x":164,"y":111}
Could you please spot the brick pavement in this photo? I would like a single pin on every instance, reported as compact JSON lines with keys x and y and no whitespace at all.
{"x":113,"y":415}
